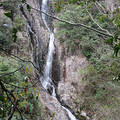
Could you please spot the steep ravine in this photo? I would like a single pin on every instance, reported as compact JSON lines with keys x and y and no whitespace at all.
{"x":39,"y":35}
{"x":70,"y":85}
{"x":47,"y":81}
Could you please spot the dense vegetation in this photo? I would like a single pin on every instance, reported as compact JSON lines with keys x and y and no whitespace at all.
{"x":18,"y":83}
{"x":103,"y":74}
{"x":18,"y":96}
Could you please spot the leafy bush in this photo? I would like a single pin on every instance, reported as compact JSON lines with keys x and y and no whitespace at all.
{"x":5,"y":33}
{"x":18,"y":83}
{"x":4,"y":41}
{"x":103,"y":88}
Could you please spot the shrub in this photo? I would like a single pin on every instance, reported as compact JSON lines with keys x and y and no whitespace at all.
{"x":4,"y":41}
{"x":28,"y":104}
{"x":5,"y":33}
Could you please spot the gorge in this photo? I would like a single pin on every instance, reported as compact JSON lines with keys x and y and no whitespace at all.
{"x":46,"y":77}
{"x":47,"y":82}
{"x":70,"y":83}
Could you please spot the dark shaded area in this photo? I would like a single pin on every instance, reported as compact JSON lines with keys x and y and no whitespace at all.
{"x":56,"y":70}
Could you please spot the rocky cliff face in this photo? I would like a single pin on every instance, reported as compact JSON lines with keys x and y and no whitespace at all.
{"x":71,"y":84}
{"x":111,"y":5}
{"x":38,"y":34}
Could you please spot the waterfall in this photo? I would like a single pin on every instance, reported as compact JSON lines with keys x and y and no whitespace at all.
{"x":47,"y":82}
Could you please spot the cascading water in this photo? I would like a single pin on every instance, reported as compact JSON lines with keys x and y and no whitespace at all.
{"x":47,"y":82}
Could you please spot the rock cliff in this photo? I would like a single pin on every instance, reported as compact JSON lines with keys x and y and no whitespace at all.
{"x":111,"y":5}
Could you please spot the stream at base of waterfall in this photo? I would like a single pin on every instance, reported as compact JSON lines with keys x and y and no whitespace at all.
{"x":47,"y":82}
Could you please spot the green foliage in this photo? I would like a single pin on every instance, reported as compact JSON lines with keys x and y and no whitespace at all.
{"x":5,"y":33}
{"x":116,"y":18}
{"x":9,"y":15}
{"x":28,"y":98}
{"x":23,"y":1}
{"x":14,"y":15}
{"x":28,"y":7}
{"x":14,"y":34}
{"x":103,"y":87}
{"x":8,"y":33}
{"x":2,"y":98}
{"x":19,"y":23}
{"x":5,"y":67}
{"x":77,"y":37}
{"x":59,"y":5}
{"x":4,"y":41}
{"x":21,"y":8}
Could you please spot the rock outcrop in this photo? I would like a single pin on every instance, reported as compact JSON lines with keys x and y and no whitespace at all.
{"x":71,"y":84}
{"x":52,"y":106}
{"x":111,"y":5}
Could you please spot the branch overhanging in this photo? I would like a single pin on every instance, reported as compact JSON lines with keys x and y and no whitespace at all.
{"x":74,"y":24}
{"x":21,"y":87}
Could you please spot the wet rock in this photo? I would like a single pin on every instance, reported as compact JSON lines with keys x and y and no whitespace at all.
{"x":53,"y":106}
{"x":112,"y":5}
{"x":50,"y":89}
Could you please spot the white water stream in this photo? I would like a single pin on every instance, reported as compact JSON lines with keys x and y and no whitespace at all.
{"x":47,"y":82}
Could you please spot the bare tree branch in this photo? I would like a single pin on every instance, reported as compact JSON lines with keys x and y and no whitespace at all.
{"x":20,"y":87}
{"x":23,"y":60}
{"x":96,"y":22}
{"x":16,"y":107}
{"x":13,"y":110}
{"x":27,"y":61}
{"x":71,"y":23}
{"x":98,"y":4}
